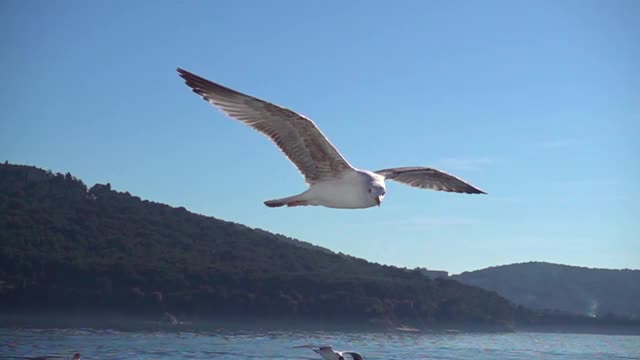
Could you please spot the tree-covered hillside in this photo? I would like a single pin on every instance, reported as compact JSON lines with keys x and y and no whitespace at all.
{"x":66,"y":246}
{"x":580,"y":290}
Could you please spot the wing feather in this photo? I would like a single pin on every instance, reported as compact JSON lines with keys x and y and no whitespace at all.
{"x":354,"y":355}
{"x":429,"y":178}
{"x":296,"y":135}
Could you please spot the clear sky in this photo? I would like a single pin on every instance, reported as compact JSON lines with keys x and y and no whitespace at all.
{"x":536,"y":102}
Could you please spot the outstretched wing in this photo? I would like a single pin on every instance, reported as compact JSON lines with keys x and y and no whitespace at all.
{"x":296,"y":135}
{"x":428,"y":178}
{"x":354,"y":355}
{"x":325,"y":351}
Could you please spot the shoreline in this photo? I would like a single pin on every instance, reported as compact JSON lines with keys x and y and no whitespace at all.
{"x":119,"y":321}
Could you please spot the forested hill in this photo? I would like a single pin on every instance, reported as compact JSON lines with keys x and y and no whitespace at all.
{"x":541,"y":285}
{"x":64,"y":246}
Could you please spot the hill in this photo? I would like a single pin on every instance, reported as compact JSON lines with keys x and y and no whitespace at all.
{"x":66,"y":246}
{"x":579,"y":290}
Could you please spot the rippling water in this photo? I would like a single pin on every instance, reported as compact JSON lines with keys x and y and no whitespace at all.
{"x":110,"y":344}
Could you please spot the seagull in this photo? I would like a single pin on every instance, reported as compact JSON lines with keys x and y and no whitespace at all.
{"x":332,"y":181}
{"x":407,"y":329}
{"x":328,"y":353}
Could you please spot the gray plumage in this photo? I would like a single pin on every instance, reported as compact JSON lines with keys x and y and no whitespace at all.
{"x":296,"y":135}
{"x":429,"y":178}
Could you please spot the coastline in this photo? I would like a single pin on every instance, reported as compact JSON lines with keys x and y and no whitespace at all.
{"x":120,"y":321}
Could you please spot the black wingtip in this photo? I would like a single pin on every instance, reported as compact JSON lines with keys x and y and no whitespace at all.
{"x":191,"y":77}
{"x":186,"y":74}
{"x":202,"y":86}
{"x":476,"y":191}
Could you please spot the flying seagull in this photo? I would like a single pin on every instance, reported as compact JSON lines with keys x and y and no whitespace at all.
{"x":332,"y":181}
{"x":328,"y":353}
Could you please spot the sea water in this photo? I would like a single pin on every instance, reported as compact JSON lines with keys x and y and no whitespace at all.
{"x":234,"y":345}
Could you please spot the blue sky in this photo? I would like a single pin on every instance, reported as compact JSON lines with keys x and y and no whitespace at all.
{"x":536,"y":102}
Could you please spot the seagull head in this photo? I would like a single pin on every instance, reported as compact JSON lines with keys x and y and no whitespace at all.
{"x":377,"y":190}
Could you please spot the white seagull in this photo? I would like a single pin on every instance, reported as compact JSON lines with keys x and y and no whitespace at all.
{"x":332,"y":181}
{"x":328,"y":353}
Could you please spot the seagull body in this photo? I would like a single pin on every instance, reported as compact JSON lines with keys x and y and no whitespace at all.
{"x":333,"y":182}
{"x":350,"y":190}
{"x":328,"y":353}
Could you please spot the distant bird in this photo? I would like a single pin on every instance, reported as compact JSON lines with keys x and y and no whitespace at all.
{"x":332,"y":181}
{"x":171,"y":319}
{"x":328,"y":353}
{"x":407,"y":329}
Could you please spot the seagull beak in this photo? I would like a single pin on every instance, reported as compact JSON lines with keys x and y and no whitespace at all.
{"x":378,"y":200}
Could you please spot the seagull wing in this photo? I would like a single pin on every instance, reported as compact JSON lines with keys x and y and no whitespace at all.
{"x":296,"y":135}
{"x":326,"y":352}
{"x":353,"y":354}
{"x":428,"y":178}
{"x":310,"y":346}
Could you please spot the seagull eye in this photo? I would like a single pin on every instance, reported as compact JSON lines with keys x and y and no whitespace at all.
{"x":369,"y":190}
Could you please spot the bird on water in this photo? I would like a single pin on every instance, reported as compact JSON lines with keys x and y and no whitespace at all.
{"x":328,"y":353}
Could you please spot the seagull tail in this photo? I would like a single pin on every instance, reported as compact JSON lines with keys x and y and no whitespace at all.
{"x":275,"y":203}
{"x":296,"y":200}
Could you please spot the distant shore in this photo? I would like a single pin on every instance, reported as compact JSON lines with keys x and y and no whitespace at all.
{"x":91,"y":257}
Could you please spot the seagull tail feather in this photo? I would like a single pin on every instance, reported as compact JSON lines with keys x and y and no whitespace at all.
{"x":275,"y":203}
{"x":296,"y":200}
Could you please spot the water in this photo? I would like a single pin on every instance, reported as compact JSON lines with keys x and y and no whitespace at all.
{"x":134,"y":345}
